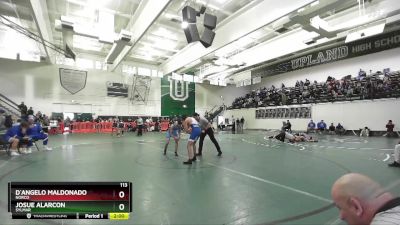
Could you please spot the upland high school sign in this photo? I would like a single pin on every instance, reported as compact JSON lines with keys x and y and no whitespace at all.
{"x":354,"y":49}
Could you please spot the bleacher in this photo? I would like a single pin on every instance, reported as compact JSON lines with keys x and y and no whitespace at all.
{"x":374,"y":86}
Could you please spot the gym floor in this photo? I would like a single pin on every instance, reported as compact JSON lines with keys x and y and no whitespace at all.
{"x":256,"y":181}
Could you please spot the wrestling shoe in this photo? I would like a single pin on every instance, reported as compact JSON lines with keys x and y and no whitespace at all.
{"x":394,"y":164}
{"x":189,"y":162}
{"x":14,"y":153}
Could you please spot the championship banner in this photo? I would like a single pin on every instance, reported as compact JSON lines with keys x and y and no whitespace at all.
{"x":177,"y":97}
{"x":365,"y":46}
{"x":72,"y":80}
{"x":117,"y":89}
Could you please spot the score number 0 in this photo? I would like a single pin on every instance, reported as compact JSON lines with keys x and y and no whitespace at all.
{"x":121,"y":194}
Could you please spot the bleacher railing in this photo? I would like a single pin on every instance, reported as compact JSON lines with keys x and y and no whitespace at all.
{"x":10,"y":106}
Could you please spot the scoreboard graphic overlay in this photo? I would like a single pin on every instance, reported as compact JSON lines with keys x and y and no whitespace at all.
{"x":70,"y":200}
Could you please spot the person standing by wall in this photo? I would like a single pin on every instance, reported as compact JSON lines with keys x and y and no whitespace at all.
{"x":242,"y":123}
{"x":24,"y":110}
{"x":139,"y":123}
{"x":206,"y":129}
{"x":288,"y":126}
{"x":30,"y":111}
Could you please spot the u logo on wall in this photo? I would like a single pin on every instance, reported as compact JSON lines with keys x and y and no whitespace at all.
{"x":177,"y":97}
{"x":178,"y":90}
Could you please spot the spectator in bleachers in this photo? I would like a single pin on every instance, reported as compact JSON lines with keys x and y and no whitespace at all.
{"x":17,"y":136}
{"x":340,"y":129}
{"x":389,"y":129}
{"x":311,"y":126}
{"x":30,"y":111}
{"x":321,"y":126}
{"x":283,"y":98}
{"x":361,"y":74}
{"x":364,"y":132}
{"x":365,"y":87}
{"x":332,"y":129}
{"x":39,"y":116}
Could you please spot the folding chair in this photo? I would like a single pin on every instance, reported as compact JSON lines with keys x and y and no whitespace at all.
{"x":4,"y":145}
{"x":34,"y":143}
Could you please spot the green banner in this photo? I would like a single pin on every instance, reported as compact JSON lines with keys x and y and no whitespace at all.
{"x":177,"y":97}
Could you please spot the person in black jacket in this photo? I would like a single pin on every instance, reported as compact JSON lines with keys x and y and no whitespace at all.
{"x":30,"y":111}
{"x":24,"y":109}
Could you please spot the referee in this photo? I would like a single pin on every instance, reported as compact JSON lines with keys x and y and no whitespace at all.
{"x":206,"y":129}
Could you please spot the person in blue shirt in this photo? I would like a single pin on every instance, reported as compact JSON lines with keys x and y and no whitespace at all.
{"x":173,"y":131}
{"x":321,"y":126}
{"x":35,"y":132}
{"x":311,"y":126}
{"x":17,"y":136}
{"x":192,"y":127}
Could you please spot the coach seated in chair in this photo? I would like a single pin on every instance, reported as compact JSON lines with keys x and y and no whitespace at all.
{"x":364,"y":132}
{"x":311,"y":126}
{"x":17,"y":136}
{"x":332,"y":129}
{"x":340,"y":129}
{"x":390,"y":129}
{"x":36,"y":133}
{"x":321,"y":126}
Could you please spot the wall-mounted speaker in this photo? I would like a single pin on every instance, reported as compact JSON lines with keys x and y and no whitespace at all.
{"x":210,"y":21}
{"x":191,"y":33}
{"x":207,"y":37}
{"x":189,"y":14}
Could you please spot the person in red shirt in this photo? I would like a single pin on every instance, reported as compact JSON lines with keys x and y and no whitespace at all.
{"x":389,"y":129}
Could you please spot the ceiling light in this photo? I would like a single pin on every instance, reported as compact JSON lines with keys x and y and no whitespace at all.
{"x":184,"y":24}
{"x":366,"y":32}
{"x":209,"y":5}
{"x":172,"y":16}
{"x":314,"y":3}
